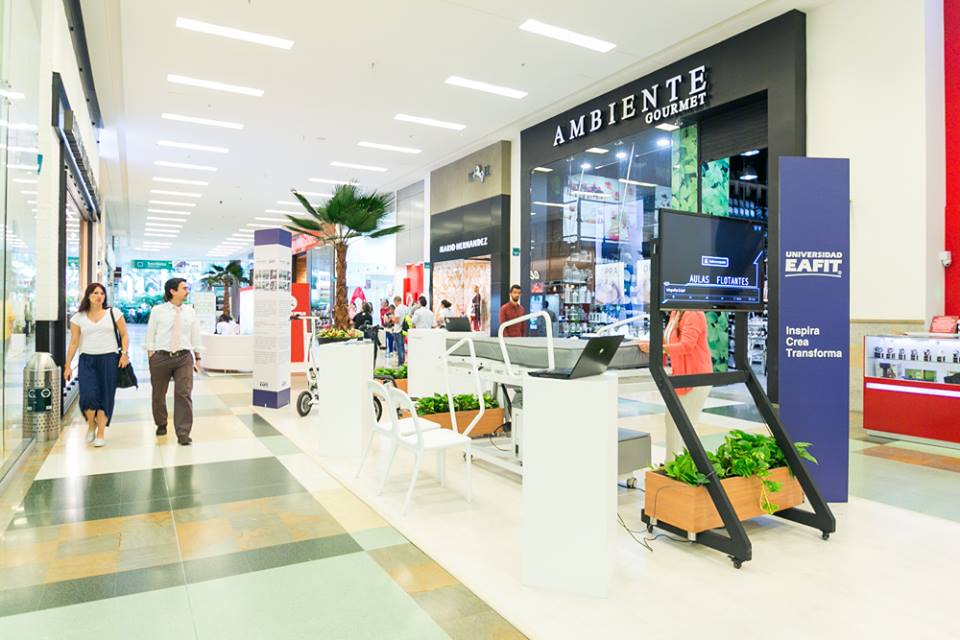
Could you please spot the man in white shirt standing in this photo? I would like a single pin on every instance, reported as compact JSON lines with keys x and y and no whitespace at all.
{"x":400,"y":312}
{"x":173,"y":346}
{"x":423,"y":318}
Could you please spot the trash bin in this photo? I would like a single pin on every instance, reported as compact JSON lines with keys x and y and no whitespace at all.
{"x":41,"y":398}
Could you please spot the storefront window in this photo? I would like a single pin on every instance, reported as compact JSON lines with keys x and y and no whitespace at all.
{"x":19,"y":186}
{"x":593,"y":215}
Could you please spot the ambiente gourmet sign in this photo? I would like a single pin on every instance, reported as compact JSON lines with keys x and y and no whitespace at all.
{"x":674,"y":96}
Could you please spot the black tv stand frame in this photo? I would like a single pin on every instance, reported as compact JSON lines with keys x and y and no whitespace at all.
{"x":732,"y":538}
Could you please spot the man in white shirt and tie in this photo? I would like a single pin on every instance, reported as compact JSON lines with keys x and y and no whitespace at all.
{"x":173,"y":345}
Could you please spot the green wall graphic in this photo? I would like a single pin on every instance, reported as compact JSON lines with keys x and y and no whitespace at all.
{"x":715,"y":192}
{"x":683,"y":176}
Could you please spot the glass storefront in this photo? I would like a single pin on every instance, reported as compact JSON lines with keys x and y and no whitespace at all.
{"x":19,"y":187}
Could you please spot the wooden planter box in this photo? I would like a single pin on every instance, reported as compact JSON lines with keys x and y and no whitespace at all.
{"x":401,"y":383}
{"x":489,"y":423}
{"x":691,"y":509}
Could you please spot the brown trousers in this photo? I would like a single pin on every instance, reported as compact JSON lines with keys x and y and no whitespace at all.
{"x":163,"y":367}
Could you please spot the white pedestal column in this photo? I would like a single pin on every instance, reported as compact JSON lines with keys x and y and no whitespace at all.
{"x":569,"y":483}
{"x":345,"y":409}
{"x":425,"y":348}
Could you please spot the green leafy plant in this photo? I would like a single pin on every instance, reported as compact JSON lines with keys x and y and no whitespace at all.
{"x":226,"y":277}
{"x":332,"y":333}
{"x":742,"y":454}
{"x":400,"y":373}
{"x":348,"y":215}
{"x":463,"y":402}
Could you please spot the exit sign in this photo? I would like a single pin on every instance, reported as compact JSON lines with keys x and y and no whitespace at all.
{"x":153,"y":264}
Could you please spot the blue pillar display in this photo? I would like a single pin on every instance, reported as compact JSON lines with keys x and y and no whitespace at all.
{"x":815,"y":314}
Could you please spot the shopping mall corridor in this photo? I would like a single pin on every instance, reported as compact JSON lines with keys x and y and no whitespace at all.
{"x":240,"y":535}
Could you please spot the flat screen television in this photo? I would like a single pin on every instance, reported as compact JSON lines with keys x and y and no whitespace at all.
{"x":710,"y":262}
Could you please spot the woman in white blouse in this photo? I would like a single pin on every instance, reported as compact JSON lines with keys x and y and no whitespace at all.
{"x":91,"y":331}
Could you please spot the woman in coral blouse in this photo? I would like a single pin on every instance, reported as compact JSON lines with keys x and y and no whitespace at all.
{"x":685,"y":343}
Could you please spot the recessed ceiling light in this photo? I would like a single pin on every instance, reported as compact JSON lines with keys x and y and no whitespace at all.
{"x":362,"y":167}
{"x":261,"y":226}
{"x":182,"y":194}
{"x":31,"y":202}
{"x":466,"y":83}
{"x":25,"y":180}
{"x":666,"y":126}
{"x":637,"y":183}
{"x":597,"y":150}
{"x":289,"y":213}
{"x":297,"y":204}
{"x":160,"y":235}
{"x":621,"y":155}
{"x":543,"y":169}
{"x":549,"y":204}
{"x":572,"y":37}
{"x":23,"y":167}
{"x":204,"y":121}
{"x":176,"y":213}
{"x":16,"y":149}
{"x":586,"y":166}
{"x":196,"y":183}
{"x":430,"y":122}
{"x":184,"y":165}
{"x":212,"y":84}
{"x":191,"y":146}
{"x":13,"y":95}
{"x":173,"y":203}
{"x":326,"y":181}
{"x":388,"y":147}
{"x":163,"y":224}
{"x":28,"y":193}
{"x":165,"y":219}
{"x":271,"y":219}
{"x":663,"y":142}
{"x":235,"y":34}
{"x":751,"y":152}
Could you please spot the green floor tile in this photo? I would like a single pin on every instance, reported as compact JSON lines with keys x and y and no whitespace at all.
{"x":258,"y":425}
{"x":280,"y":445}
{"x":378,"y":538}
{"x":154,"y":615}
{"x":305,"y":551}
{"x":151,"y":579}
{"x":450,"y":603}
{"x":14,"y":601}
{"x":746,"y":412}
{"x":234,"y":495}
{"x":228,"y":476}
{"x":69,"y":592}
{"x":347,"y":597}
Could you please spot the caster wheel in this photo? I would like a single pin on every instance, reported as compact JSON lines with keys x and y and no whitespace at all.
{"x":737,"y":563}
{"x":649,"y":528}
{"x":631,"y":483}
{"x":304,"y":402}
{"x":825,"y":536}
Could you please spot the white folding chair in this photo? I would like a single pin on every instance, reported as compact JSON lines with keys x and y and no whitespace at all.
{"x":425,"y":440}
{"x":390,"y":422}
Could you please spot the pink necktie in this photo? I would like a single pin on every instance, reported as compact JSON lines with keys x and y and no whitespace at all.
{"x":175,"y":339}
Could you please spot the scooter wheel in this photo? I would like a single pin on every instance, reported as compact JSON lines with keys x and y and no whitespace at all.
{"x":304,"y":403}
{"x":377,"y":409}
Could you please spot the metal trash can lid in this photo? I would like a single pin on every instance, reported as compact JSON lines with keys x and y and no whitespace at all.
{"x":41,"y":361}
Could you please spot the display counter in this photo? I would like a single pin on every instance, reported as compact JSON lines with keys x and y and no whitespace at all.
{"x":911,"y":387}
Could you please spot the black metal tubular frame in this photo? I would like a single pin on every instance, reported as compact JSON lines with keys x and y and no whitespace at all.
{"x":734,"y":542}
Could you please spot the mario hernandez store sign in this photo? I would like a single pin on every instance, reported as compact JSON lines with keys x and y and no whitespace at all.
{"x":662,"y":101}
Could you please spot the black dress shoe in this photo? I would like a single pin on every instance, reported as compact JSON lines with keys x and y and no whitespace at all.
{"x":161,"y":431}
{"x":184,"y":440}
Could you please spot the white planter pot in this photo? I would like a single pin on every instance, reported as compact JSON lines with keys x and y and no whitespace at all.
{"x":345,"y":407}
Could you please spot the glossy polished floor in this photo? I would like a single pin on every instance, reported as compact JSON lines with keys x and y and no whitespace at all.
{"x":241,"y":535}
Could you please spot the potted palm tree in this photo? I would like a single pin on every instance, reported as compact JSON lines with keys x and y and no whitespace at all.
{"x":349,"y":214}
{"x":226,"y":277}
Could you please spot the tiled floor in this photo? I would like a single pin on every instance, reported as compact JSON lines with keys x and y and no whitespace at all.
{"x":241,"y":535}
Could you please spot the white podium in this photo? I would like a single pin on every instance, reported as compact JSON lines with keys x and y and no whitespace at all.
{"x":569,"y":484}
{"x":345,"y":407}
{"x":425,"y":348}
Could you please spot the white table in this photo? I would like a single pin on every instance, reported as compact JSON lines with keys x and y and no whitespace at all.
{"x":227,"y":352}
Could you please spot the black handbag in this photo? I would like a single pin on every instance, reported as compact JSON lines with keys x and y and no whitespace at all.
{"x":126,"y":377}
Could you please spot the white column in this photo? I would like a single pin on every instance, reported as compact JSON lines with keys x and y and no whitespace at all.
{"x":569,"y":483}
{"x":272,"y":302}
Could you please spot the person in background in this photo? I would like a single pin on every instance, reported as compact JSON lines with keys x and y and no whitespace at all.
{"x":91,"y":330}
{"x":173,"y":350}
{"x":384,"y":311}
{"x":446,"y":311}
{"x":542,"y":325}
{"x":388,"y":329}
{"x":400,"y":311}
{"x":364,"y":320}
{"x":226,"y":326}
{"x":513,"y":309}
{"x":685,"y":343}
{"x":423,"y":317}
{"x":476,"y":306}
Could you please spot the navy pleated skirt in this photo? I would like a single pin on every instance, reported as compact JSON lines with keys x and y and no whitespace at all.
{"x":98,"y":382}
